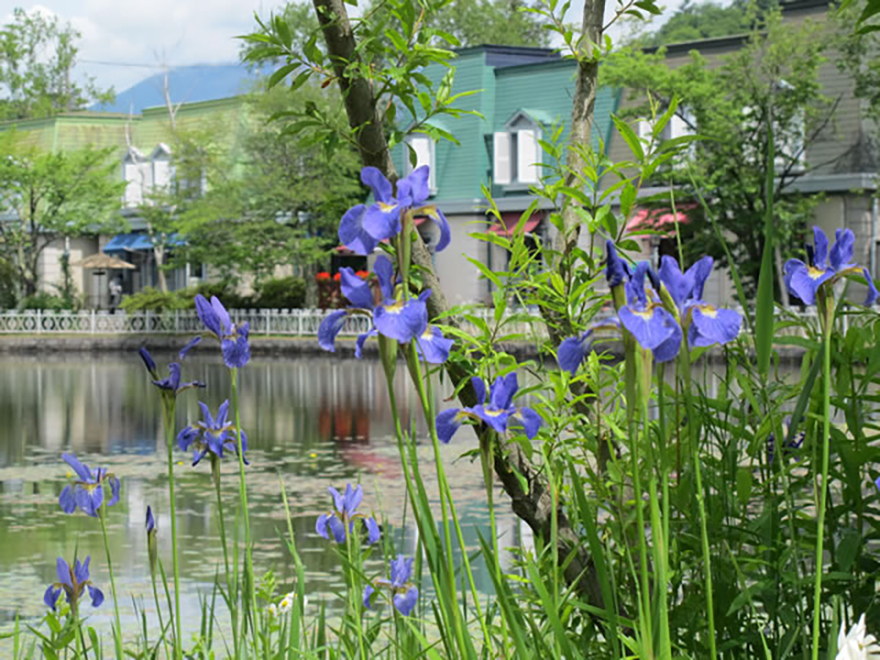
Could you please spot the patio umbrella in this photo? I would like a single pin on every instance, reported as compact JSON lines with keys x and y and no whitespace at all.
{"x":101,"y":261}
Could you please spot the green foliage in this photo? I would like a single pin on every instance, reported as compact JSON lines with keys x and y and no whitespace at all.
{"x":281,"y":293}
{"x":774,"y":74}
{"x":266,"y":198}
{"x":151,"y":299}
{"x":51,"y":195}
{"x":694,"y":21}
{"x":45,"y":301}
{"x":37,"y":58}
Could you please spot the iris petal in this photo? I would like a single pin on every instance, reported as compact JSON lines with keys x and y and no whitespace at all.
{"x":384,"y":270}
{"x":67,"y":500}
{"x":81,"y":571}
{"x":148,"y":359}
{"x":50,"y":597}
{"x":433,"y":347}
{"x":96,"y":595}
{"x":321,"y":526}
{"x":413,"y":189}
{"x":529,"y":420}
{"x":352,"y":233}
{"x":329,"y":328}
{"x":615,"y":267}
{"x":382,"y":222}
{"x":873,"y":294}
{"x":678,"y":284}
{"x":699,"y":273}
{"x":670,"y":348}
{"x":338,"y":499}
{"x":357,"y":291}
{"x":208,"y":316}
{"x":114,"y":491}
{"x":496,"y":419}
{"x":503,"y":391}
{"x":479,"y":386}
{"x":191,"y":344}
{"x":820,"y":255}
{"x":437,"y":217}
{"x":353,"y":498}
{"x":406,"y":602}
{"x":401,"y":321}
{"x":378,"y":183}
{"x":82,"y":470}
{"x":373,"y":531}
{"x":337,"y":528}
{"x":222,"y":316}
{"x":236,"y":352}
{"x":369,"y":590}
{"x":718,"y":327}
{"x":650,"y":329}
{"x":572,"y":352}
{"x":447,"y":423}
{"x":361,"y":340}
{"x":62,"y":570}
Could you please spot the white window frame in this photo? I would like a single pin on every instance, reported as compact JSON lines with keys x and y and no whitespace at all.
{"x":162,"y":168}
{"x":137,"y":172}
{"x":517,"y":155}
{"x":411,"y":141}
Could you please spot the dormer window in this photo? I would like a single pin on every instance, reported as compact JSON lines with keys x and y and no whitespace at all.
{"x":163,"y":171}
{"x":137,"y":172}
{"x":423,"y":148}
{"x":517,"y":154}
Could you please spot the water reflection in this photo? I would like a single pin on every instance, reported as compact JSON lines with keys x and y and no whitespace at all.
{"x":311,"y":423}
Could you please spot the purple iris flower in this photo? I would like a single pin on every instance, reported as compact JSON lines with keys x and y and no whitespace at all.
{"x":654,"y":328}
{"x":804,"y":280}
{"x":704,"y":324}
{"x":345,"y":515}
{"x":393,"y":317}
{"x":404,"y":594}
{"x":616,"y":270}
{"x":151,"y":521}
{"x":211,"y":434}
{"x":73,"y":581}
{"x":233,"y":339}
{"x":574,"y":350}
{"x":432,"y":346}
{"x":171,"y":383}
{"x":499,"y":413}
{"x":363,"y":227}
{"x":87,"y":492}
{"x":789,"y":446}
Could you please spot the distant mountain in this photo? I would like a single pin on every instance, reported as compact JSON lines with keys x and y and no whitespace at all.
{"x":188,"y":84}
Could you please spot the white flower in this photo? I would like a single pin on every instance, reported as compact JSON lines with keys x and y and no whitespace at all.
{"x":286,"y":603}
{"x":273,"y":610}
{"x":857,"y":645}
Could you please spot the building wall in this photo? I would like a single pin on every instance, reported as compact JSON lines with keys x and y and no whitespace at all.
{"x":461,"y":280}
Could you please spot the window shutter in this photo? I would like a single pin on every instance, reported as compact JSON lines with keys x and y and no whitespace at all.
{"x":161,"y":173}
{"x":424,"y":149}
{"x":527,"y":156}
{"x":501,"y":150}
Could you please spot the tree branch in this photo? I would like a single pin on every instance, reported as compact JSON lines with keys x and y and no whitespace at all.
{"x":533,"y":505}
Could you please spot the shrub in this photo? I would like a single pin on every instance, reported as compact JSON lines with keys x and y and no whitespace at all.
{"x":281,"y":293}
{"x":44,"y":301}
{"x":153,"y":300}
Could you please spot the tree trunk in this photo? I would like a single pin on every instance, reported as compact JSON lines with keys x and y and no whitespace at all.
{"x":159,"y":257}
{"x":533,"y":504}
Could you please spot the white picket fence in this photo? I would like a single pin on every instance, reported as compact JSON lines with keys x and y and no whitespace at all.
{"x":292,"y":322}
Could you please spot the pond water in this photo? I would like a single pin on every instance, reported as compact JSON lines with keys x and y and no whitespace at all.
{"x":312,"y":422}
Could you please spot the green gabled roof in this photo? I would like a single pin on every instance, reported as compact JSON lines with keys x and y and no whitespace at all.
{"x":541,"y":90}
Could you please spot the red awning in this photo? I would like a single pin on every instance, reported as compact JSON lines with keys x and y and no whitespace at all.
{"x":510,"y":221}
{"x":658,"y":218}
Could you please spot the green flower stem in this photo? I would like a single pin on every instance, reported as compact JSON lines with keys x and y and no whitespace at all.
{"x":231,"y":586}
{"x":684,"y":364}
{"x":631,"y":391}
{"x":388,"y":364}
{"x":426,"y":396}
{"x":486,"y":454}
{"x":658,"y":538}
{"x":354,"y":601}
{"x":827,"y":306}
{"x":242,"y":493}
{"x":159,"y":611}
{"x":168,"y":406}
{"x":117,"y":637}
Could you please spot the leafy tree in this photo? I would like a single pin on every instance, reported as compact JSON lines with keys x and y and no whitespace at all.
{"x":268,"y":199}
{"x":462,"y":22}
{"x":47,"y":196}
{"x":500,"y":22}
{"x":37,"y":60}
{"x":774,"y":75}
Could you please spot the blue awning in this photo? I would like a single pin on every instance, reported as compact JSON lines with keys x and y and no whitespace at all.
{"x":137,"y":241}
{"x":121,"y":243}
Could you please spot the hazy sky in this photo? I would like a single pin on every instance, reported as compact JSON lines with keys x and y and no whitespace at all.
{"x":148,"y":33}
